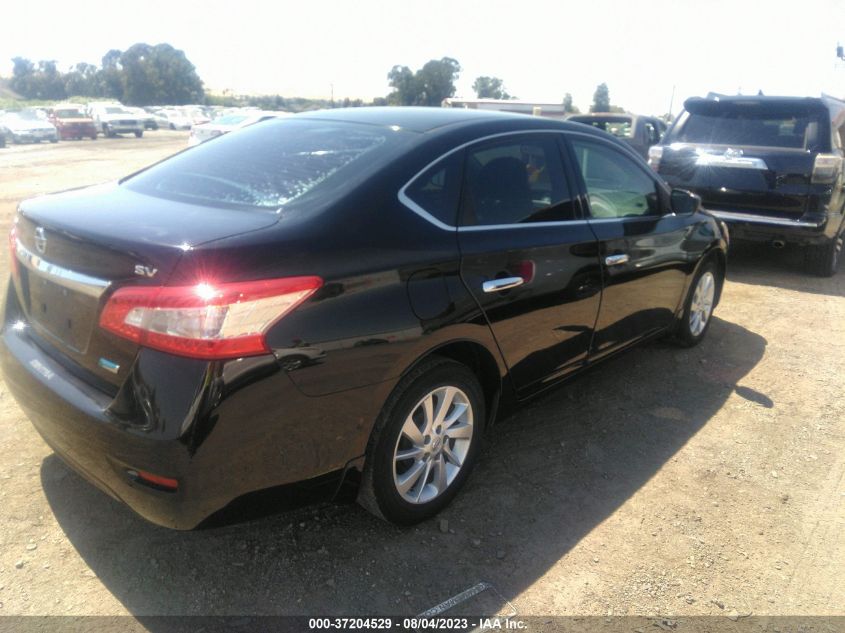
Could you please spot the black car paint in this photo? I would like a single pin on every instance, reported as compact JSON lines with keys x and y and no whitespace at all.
{"x":397,"y":288}
{"x":780,"y":204}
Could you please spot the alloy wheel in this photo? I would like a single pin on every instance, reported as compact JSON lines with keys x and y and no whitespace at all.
{"x":433,"y":445}
{"x":702,"y":303}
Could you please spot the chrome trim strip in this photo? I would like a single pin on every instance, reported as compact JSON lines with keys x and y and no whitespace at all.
{"x":85,"y":284}
{"x":731,"y":216}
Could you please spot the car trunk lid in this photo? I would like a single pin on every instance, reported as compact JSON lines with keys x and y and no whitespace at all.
{"x":74,"y":249}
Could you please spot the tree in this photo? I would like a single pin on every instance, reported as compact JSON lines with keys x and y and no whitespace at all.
{"x":404,"y":84}
{"x":159,"y":74}
{"x":428,"y":86}
{"x":490,"y":88}
{"x":568,"y":107}
{"x":23,"y":74}
{"x":437,"y":79}
{"x":601,"y":99}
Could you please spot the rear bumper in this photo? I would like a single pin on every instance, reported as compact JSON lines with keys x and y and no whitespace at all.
{"x":222,"y":430}
{"x":77,"y":131}
{"x":764,"y":228}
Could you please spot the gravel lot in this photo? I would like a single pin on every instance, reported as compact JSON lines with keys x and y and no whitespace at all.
{"x":704,"y":481}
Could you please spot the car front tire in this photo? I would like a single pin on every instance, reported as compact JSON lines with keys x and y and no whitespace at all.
{"x":139,"y":133}
{"x":699,"y":304}
{"x":425,"y":443}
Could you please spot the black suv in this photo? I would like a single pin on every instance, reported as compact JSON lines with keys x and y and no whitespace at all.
{"x":770,"y":167}
{"x":339,"y":296}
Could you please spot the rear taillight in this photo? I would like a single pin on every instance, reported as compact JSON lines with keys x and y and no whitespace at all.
{"x":826,"y":168}
{"x":655,"y":153}
{"x":211,"y":321}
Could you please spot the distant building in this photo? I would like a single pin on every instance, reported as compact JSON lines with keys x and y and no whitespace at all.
{"x":550,"y":110}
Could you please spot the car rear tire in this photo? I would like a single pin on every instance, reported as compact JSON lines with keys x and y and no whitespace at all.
{"x":823,"y":260}
{"x":139,"y":134}
{"x":425,"y":443}
{"x":699,"y":305}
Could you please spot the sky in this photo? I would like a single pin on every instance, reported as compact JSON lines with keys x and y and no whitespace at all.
{"x":542,"y":49}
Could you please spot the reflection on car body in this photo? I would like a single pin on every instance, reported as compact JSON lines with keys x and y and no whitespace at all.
{"x":343,"y":294}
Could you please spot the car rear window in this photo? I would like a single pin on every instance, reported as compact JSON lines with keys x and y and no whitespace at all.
{"x":270,"y":164}
{"x":619,"y":126}
{"x":752,"y":125}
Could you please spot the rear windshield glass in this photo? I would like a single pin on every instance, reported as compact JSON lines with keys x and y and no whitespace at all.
{"x":270,"y":164}
{"x":752,"y":126}
{"x":618,"y":126}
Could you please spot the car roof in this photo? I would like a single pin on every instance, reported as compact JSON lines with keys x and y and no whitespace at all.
{"x":415,"y":119}
{"x":422,"y":119}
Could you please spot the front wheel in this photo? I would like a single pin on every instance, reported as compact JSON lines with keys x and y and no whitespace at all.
{"x":698,"y":307}
{"x":139,"y":133}
{"x":425,"y":443}
{"x":824,"y":260}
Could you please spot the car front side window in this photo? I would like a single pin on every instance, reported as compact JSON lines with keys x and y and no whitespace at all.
{"x":616,"y":186}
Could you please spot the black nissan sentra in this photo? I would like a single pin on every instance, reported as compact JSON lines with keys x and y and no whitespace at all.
{"x":345,"y":296}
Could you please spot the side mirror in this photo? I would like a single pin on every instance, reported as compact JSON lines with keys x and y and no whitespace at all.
{"x":685,"y":202}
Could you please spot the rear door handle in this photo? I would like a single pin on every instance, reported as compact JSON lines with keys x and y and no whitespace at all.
{"x":616,"y":260}
{"x":497,"y":285}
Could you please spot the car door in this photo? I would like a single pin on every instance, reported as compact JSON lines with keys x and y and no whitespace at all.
{"x":644,"y":249}
{"x":527,"y":257}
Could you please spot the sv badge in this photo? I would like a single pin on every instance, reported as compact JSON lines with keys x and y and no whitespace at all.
{"x":145,"y":271}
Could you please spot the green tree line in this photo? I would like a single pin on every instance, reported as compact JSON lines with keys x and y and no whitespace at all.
{"x":140,"y":75}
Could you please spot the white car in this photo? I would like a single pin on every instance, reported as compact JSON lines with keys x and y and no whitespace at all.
{"x":27,"y":127}
{"x":176,"y":119}
{"x":113,"y":119}
{"x":228,"y":123}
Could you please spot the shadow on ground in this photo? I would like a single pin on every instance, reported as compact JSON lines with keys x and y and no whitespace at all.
{"x":762,"y":265}
{"x":550,"y":473}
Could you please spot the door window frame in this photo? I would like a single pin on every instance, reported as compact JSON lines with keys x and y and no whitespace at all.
{"x":570,"y":173}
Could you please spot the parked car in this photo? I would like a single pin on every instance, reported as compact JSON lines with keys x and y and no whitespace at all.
{"x":176,"y":119}
{"x":27,"y":127}
{"x":228,"y":123}
{"x":113,"y":119}
{"x":771,"y":167}
{"x":150,"y":121}
{"x":72,"y":122}
{"x":342,"y":296}
{"x":640,"y":132}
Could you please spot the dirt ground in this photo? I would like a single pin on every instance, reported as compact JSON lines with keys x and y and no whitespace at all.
{"x":668,"y":481}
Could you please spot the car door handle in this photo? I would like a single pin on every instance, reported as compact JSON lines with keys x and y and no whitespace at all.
{"x":497,"y":285}
{"x":616,"y":260}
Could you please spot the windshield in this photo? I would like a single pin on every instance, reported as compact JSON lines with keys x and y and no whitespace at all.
{"x":270,"y":164}
{"x":231,"y":119}
{"x":618,"y":126}
{"x":751,"y":125}
{"x":29,"y":115}
{"x":116,"y":111}
{"x":69,"y":114}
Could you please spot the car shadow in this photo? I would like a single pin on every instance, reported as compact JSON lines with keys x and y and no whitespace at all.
{"x":762,"y":265}
{"x":550,"y":473}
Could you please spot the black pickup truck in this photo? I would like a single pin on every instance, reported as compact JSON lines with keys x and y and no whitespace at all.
{"x":770,"y":167}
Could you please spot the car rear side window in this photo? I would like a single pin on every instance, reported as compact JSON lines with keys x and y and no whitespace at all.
{"x":616,"y":186}
{"x":515,"y":181}
{"x":271,"y":164}
{"x":751,"y":126}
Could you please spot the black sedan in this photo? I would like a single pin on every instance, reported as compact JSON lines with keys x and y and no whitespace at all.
{"x":343,"y":297}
